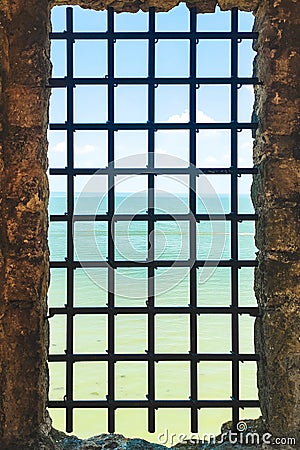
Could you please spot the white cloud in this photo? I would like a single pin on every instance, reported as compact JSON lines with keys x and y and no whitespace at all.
{"x":179,"y":118}
{"x":246,"y":145}
{"x":201,"y":117}
{"x":88,"y":163}
{"x":249,"y":87}
{"x":83,"y":150}
{"x":61,"y":147}
{"x":211,"y":159}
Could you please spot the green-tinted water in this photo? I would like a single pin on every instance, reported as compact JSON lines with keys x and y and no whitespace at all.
{"x":172,"y":331}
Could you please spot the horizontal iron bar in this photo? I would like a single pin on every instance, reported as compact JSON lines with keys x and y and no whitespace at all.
{"x":153,"y":403}
{"x":155,"y":217}
{"x":253,"y":311}
{"x":64,"y":82}
{"x":156,"y":126}
{"x":154,"y":264}
{"x":156,"y":357}
{"x":156,"y":171}
{"x":154,"y":35}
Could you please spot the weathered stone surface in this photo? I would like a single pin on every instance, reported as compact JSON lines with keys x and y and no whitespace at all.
{"x":254,"y":438}
{"x":279,"y":231}
{"x":276,"y":196}
{"x":279,"y":147}
{"x":205,"y":6}
{"x":284,"y":288}
{"x":273,"y":186}
{"x":243,"y":5}
{"x":201,"y":6}
{"x":24,"y":71}
{"x":277,"y":341}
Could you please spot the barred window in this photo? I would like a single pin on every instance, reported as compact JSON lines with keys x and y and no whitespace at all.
{"x":151,"y":222}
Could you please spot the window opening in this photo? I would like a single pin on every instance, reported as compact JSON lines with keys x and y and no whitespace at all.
{"x":151,"y":237}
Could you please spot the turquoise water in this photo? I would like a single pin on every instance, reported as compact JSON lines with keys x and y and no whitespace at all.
{"x":172,"y":331}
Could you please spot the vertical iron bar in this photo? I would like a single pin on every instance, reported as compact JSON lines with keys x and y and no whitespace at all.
{"x":111,"y":226}
{"x":151,"y":256}
{"x":234,"y":211}
{"x":193,"y":229}
{"x":70,"y":211}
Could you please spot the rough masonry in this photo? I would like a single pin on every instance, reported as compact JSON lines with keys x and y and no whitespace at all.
{"x":276,"y":197}
{"x":24,"y":265}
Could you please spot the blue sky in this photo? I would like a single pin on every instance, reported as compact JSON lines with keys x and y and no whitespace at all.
{"x":172,"y":59}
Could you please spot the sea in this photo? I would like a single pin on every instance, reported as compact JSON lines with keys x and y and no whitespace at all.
{"x":171,"y":242}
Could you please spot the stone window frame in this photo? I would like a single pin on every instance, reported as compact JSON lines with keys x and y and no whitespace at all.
{"x":24,"y":257}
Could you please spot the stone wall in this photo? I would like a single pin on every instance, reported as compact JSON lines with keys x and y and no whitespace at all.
{"x":276,"y":196}
{"x":202,"y":6}
{"x":24,"y":71}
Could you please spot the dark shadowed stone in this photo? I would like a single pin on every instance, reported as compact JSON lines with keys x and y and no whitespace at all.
{"x":201,"y":6}
{"x":276,"y":197}
{"x":119,"y":442}
{"x":103,"y":441}
{"x":244,"y":5}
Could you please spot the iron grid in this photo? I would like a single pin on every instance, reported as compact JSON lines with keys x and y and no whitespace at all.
{"x":151,"y":357}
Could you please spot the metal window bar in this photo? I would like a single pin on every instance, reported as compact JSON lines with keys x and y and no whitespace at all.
{"x":234,"y":217}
